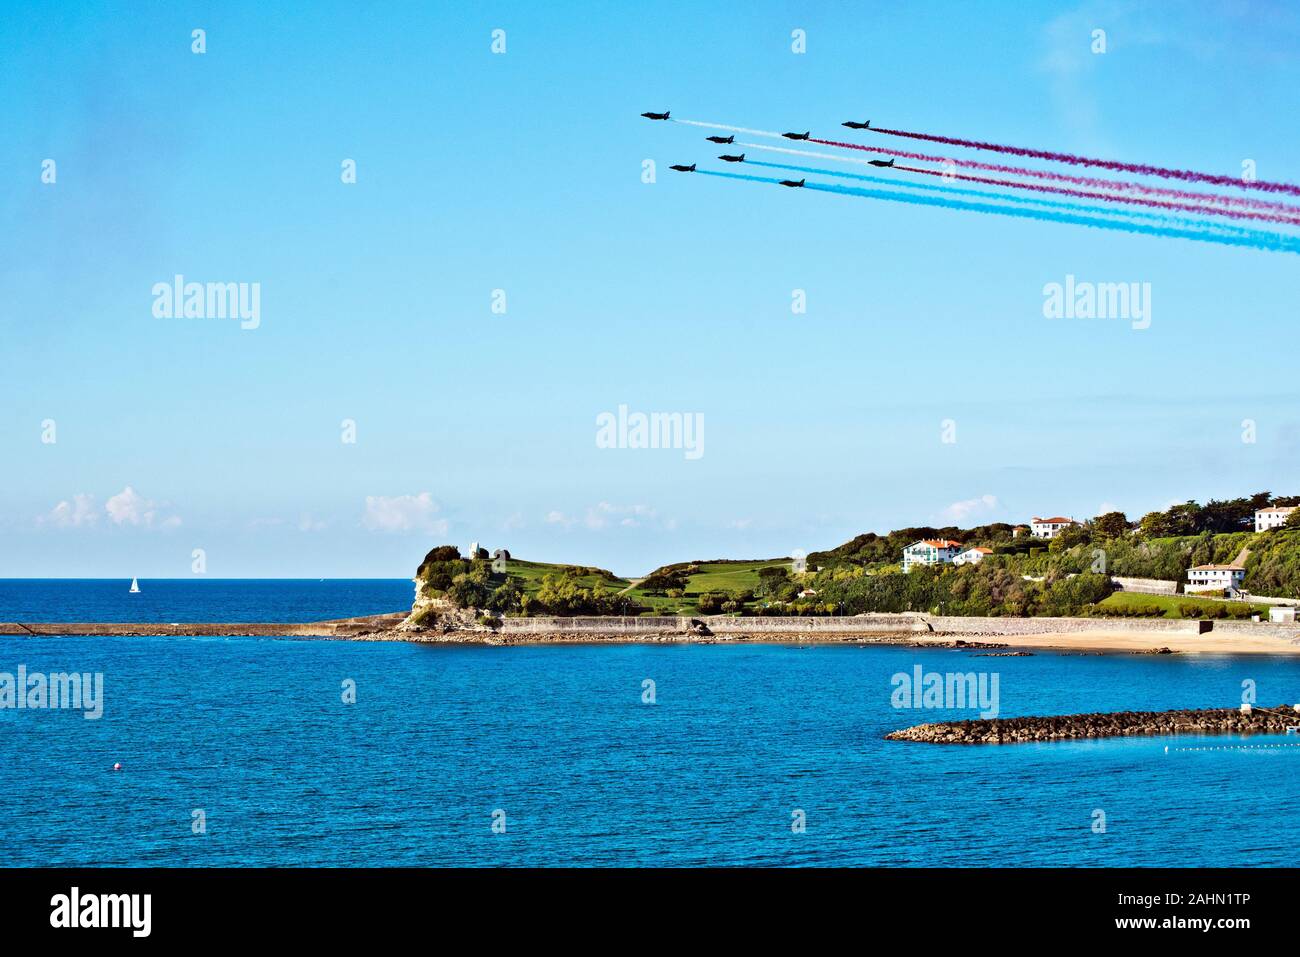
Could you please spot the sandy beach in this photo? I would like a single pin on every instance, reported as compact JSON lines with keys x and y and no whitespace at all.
{"x":1119,"y":642}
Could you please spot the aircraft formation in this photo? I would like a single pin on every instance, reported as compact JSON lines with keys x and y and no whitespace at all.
{"x":1156,"y":202}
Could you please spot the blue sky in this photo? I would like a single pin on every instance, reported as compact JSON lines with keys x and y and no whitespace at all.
{"x":523,"y":172}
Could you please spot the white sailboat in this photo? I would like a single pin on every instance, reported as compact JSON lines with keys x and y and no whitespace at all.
{"x":135,"y":587}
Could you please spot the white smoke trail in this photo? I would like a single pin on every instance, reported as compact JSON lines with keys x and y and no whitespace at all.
{"x":824,"y":156}
{"x":730,"y":129}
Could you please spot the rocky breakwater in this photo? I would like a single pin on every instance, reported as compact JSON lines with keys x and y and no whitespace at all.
{"x":1113,"y":724}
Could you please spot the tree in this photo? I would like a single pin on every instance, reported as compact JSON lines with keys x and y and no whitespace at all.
{"x":1111,"y":525}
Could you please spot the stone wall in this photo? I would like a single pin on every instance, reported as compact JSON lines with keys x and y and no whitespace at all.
{"x":876,"y":624}
{"x":718,"y":624}
{"x":1261,"y":630}
{"x":1038,"y":626}
{"x":1147,"y":586}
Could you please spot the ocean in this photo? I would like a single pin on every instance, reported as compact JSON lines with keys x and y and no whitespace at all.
{"x":194,"y":600}
{"x":244,"y":752}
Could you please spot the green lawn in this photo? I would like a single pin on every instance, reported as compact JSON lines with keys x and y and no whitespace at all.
{"x":531,"y":574}
{"x":723,"y":576}
{"x":1170,"y":603}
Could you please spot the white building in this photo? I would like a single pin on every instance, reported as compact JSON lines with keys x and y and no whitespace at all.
{"x":972,"y":556}
{"x":1221,"y":578}
{"x":1049,"y":527}
{"x":1284,"y":615}
{"x":1274,"y":517}
{"x":930,"y":551}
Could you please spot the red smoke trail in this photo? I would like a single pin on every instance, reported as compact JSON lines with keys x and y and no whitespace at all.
{"x":1247,"y":201}
{"x":1111,"y":197}
{"x":1140,"y":169}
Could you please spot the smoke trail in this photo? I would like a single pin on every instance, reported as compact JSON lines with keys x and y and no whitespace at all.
{"x":1140,"y":169}
{"x":1273,"y":242}
{"x":1110,"y":197}
{"x":1249,"y":202}
{"x":1088,"y":181}
{"x":732,"y":129}
{"x":1010,"y":197}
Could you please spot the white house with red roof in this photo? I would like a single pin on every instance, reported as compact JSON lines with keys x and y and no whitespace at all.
{"x":972,"y":556}
{"x":930,"y":551}
{"x":1225,"y":579}
{"x":1272,"y":517}
{"x":1049,"y":527}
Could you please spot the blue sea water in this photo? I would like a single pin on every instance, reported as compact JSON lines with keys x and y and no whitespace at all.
{"x":256,"y":735}
{"x":191,"y":600}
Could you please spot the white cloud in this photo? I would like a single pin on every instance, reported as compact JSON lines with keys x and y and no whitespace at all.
{"x":627,"y":516}
{"x":129,"y":507}
{"x":308,"y":524}
{"x":970,"y":508}
{"x":403,"y":513}
{"x":742,"y":523}
{"x":604,"y":514}
{"x":72,"y":514}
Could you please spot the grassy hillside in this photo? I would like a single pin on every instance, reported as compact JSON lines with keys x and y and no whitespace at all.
{"x":1068,"y":575}
{"x":733,"y":579}
{"x":530,"y":575}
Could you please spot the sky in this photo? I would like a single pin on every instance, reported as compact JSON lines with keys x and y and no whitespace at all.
{"x":922,"y":384}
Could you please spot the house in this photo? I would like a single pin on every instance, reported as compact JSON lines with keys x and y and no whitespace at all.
{"x":972,"y":556}
{"x":808,"y":593}
{"x":930,"y":551}
{"x":1282,"y":615}
{"x":1049,"y":527}
{"x":1225,"y":579}
{"x":1273,"y":517}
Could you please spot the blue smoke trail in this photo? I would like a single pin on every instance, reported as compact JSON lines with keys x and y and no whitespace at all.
{"x":1015,"y":198}
{"x":1273,"y":242}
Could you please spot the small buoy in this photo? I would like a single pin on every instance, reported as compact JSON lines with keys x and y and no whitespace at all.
{"x":117,"y":767}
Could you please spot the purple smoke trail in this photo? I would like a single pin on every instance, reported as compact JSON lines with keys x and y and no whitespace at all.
{"x":1250,"y":202}
{"x":1140,"y":169}
{"x":1111,"y":197}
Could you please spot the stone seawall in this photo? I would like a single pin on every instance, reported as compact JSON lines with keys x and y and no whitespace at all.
{"x":877,"y":624}
{"x":885,"y":627}
{"x":372,"y":626}
{"x":1102,"y":725}
{"x":1042,"y":626}
{"x":718,"y":625}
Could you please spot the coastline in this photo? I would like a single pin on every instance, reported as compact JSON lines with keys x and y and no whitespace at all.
{"x":1011,"y":635}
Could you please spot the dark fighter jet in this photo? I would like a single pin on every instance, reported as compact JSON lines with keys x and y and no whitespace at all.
{"x":656,"y":116}
{"x":881,"y":163}
{"x":797,"y":136}
{"x":684,"y":169}
{"x":721,"y":139}
{"x":732,"y":159}
{"x":853,"y":125}
{"x":790,"y":182}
